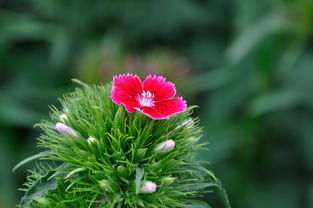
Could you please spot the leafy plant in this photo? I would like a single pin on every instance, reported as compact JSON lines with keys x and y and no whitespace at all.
{"x":95,"y":154}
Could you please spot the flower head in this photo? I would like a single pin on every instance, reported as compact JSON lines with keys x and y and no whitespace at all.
{"x":153,"y":97}
{"x":148,"y":187}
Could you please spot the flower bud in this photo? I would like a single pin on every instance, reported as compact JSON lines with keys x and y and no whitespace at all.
{"x":166,"y":146}
{"x":140,"y":154}
{"x":63,"y":117}
{"x":148,"y":187}
{"x":168,"y":180}
{"x":109,"y":186}
{"x":122,"y":171}
{"x":91,"y":140}
{"x":65,"y":130}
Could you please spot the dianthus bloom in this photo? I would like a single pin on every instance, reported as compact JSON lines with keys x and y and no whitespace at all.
{"x":154,"y":97}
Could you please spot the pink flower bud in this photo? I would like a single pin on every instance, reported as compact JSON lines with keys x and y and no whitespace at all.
{"x":65,"y":130}
{"x":148,"y":187}
{"x":166,"y":146}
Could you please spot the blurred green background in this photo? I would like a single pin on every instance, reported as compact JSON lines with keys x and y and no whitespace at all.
{"x":247,"y":64}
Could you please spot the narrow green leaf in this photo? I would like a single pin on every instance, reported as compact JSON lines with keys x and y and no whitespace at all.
{"x":119,"y":118}
{"x":80,"y":83}
{"x":27,"y":160}
{"x":225,"y":198}
{"x":75,"y":171}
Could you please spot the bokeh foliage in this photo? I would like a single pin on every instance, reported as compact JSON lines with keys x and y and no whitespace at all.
{"x":247,"y":64}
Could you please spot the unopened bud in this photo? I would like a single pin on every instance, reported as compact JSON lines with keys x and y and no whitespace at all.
{"x":166,"y":146}
{"x":168,"y":180}
{"x":91,"y":140}
{"x":65,"y":130}
{"x":122,"y":171}
{"x":63,"y":117}
{"x":141,"y":152}
{"x":148,"y":187}
{"x":109,"y":186}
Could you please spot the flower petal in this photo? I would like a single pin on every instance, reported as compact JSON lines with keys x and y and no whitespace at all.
{"x":162,"y":110}
{"x":159,"y":87}
{"x":170,"y":107}
{"x":125,"y":89}
{"x":130,"y":108}
{"x":148,"y":111}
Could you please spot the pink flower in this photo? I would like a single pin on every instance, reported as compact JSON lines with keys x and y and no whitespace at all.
{"x":153,"y":97}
